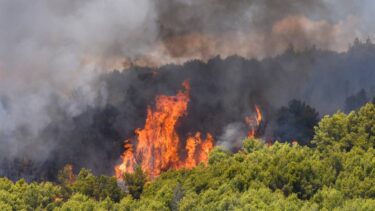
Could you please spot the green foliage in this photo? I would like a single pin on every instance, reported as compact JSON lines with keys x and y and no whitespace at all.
{"x":5,"y":207}
{"x":23,"y":196}
{"x":127,"y":204}
{"x":135,"y":182}
{"x":358,"y":176}
{"x":339,"y":174}
{"x":98,"y":187}
{"x":78,"y":202}
{"x":217,"y":155}
{"x":357,"y":204}
{"x":343,"y":132}
{"x":252,"y":144}
{"x":66,"y":176}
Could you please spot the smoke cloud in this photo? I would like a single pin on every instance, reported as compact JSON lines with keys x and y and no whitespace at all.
{"x":251,"y":28}
{"x":50,"y":56}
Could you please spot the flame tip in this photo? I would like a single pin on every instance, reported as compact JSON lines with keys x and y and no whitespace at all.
{"x":157,"y":142}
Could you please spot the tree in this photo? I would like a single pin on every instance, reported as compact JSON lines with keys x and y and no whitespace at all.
{"x":135,"y":182}
{"x":356,"y":101}
{"x":78,"y":202}
{"x":329,"y":198}
{"x":85,"y":183}
{"x":98,"y":187}
{"x":217,"y":154}
{"x":251,"y":145}
{"x":338,"y":174}
{"x":295,"y":123}
{"x":66,"y":176}
{"x":342,"y":132}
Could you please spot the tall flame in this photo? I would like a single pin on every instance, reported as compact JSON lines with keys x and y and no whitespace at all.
{"x":253,"y":122}
{"x":128,"y":161}
{"x":197,"y":150}
{"x":157,"y":143}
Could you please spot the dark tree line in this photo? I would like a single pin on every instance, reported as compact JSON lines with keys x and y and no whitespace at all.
{"x":223,"y":91}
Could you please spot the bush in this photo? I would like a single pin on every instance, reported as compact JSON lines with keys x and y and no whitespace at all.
{"x":339,"y":174}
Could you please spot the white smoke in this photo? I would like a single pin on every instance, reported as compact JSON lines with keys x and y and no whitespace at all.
{"x":57,"y":48}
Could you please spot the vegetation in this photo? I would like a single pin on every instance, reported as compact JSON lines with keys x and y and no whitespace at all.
{"x":295,"y":123}
{"x":337,"y":173}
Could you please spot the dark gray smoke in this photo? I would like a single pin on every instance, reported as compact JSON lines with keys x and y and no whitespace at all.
{"x":221,"y":16}
{"x":256,"y":28}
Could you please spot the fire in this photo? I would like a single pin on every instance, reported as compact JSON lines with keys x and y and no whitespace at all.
{"x":206,"y":147}
{"x":157,"y":144}
{"x":197,"y":150}
{"x":253,"y":122}
{"x":128,"y":161}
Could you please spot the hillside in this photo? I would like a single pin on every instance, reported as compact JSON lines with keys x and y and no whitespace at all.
{"x":337,"y":173}
{"x":224,"y":91}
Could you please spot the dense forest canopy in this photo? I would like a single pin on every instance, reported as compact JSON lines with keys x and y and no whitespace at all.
{"x":338,"y":173}
{"x":223,"y":92}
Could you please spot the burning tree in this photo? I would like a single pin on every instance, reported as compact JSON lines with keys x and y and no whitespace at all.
{"x":157,"y":144}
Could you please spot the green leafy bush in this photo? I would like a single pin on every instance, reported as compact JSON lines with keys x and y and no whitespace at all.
{"x":339,"y":174}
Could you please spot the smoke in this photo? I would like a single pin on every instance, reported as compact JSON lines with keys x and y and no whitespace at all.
{"x":50,"y":56}
{"x":233,"y":136}
{"x":251,"y":28}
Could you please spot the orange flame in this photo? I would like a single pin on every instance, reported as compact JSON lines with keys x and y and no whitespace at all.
{"x":253,"y":122}
{"x":128,"y":161}
{"x":197,"y":150}
{"x":158,"y":142}
{"x":206,"y":147}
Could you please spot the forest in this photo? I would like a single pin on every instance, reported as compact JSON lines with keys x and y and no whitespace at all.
{"x":294,"y":90}
{"x":187,"y":105}
{"x":335,"y":172}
